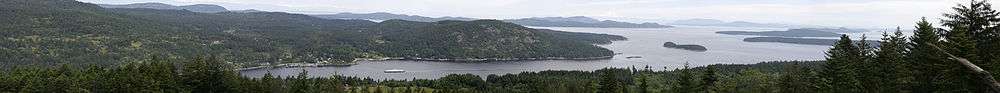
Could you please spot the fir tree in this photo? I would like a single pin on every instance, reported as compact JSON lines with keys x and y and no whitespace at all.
{"x":927,"y":64}
{"x":841,"y":71}
{"x":685,"y":81}
{"x":797,"y":79}
{"x":708,"y":79}
{"x":970,"y":26}
{"x":889,"y":63}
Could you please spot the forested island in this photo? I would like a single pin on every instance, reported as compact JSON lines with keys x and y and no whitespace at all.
{"x":576,"y":21}
{"x":788,"y":33}
{"x":48,"y":32}
{"x":808,"y":41}
{"x":698,"y":48}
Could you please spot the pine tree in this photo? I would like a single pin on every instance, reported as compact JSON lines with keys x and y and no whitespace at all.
{"x":841,"y":71}
{"x":610,"y":83}
{"x":797,"y":79}
{"x":927,"y":64}
{"x":708,"y":79}
{"x":685,"y":81}
{"x":869,"y":71}
{"x":969,"y":37}
{"x":978,"y":21}
{"x":887,"y":66}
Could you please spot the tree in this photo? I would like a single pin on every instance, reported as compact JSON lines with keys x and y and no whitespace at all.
{"x":889,"y":65}
{"x":207,"y":75}
{"x":685,"y":81}
{"x":610,"y":83}
{"x":841,"y":71}
{"x":708,"y":80}
{"x":925,"y":61}
{"x":976,"y":23}
{"x":972,"y":35}
{"x":798,"y":79}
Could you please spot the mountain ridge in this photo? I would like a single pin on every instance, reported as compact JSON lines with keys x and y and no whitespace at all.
{"x":203,"y":8}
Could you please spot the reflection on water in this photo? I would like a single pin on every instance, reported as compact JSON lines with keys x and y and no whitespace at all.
{"x":645,"y":42}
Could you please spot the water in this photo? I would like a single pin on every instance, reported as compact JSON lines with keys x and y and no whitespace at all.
{"x":645,"y":42}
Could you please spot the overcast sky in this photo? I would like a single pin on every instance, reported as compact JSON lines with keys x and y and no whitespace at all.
{"x":851,"y":13}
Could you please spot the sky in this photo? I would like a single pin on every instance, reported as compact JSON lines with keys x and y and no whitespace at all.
{"x":847,"y":13}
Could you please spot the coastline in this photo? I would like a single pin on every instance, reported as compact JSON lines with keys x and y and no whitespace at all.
{"x":355,"y":62}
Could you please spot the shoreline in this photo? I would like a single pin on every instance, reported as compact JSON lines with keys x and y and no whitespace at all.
{"x":355,"y":62}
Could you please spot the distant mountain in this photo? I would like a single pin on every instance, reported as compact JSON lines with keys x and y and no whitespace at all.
{"x":789,"y":33}
{"x":807,"y":41}
{"x":580,"y":21}
{"x":390,"y":16}
{"x":247,"y":11}
{"x":203,"y":8}
{"x":715,"y":22}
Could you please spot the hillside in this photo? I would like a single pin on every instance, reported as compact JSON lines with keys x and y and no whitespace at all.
{"x":487,"y":39}
{"x":71,"y":32}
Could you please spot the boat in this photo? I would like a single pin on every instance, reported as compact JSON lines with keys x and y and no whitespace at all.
{"x":394,"y":71}
{"x":634,"y":57}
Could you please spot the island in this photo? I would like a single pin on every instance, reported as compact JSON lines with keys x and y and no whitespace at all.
{"x":697,"y":48}
{"x":581,"y":21}
{"x":807,"y":41}
{"x":790,"y":33}
{"x":575,"y":21}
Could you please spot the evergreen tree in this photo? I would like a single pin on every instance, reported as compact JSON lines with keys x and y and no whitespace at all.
{"x":927,"y":64}
{"x":841,"y":71}
{"x":708,"y":79}
{"x":610,"y":83}
{"x":685,"y":81}
{"x":969,"y":37}
{"x":888,"y":65}
{"x":797,"y":79}
{"x":977,"y":23}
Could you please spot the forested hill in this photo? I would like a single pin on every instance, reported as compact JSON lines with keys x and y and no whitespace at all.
{"x":67,"y":31}
{"x":486,"y":39}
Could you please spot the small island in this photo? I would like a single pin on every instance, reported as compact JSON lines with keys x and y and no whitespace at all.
{"x":789,"y":33}
{"x":697,"y":48}
{"x":807,"y":41}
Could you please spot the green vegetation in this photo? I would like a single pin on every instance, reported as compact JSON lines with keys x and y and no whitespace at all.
{"x":208,"y":75}
{"x":49,"y":32}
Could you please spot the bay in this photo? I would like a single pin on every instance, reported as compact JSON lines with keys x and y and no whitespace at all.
{"x":645,"y":42}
